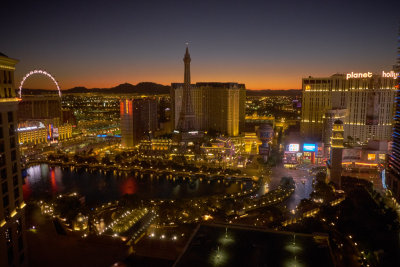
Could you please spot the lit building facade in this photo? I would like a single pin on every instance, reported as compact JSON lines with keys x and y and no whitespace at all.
{"x":35,"y":132}
{"x":221,"y":147}
{"x":12,"y":217}
{"x":335,"y":162}
{"x":367,"y":163}
{"x":155,"y":145}
{"x":207,"y":106}
{"x":40,"y":120}
{"x":265,"y":133}
{"x":252,"y":143}
{"x":39,"y":108}
{"x":64,"y":131}
{"x":393,"y":178}
{"x":217,"y":106}
{"x":126,"y":123}
{"x":295,"y":152}
{"x":138,"y":119}
{"x":255,"y":120}
{"x":330,"y":117}
{"x":367,"y":100}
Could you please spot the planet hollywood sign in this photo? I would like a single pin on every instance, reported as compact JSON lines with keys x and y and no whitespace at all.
{"x":354,"y":75}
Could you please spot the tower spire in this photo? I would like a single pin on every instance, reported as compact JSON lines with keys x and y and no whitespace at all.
{"x":186,"y":116}
{"x":187,"y":60}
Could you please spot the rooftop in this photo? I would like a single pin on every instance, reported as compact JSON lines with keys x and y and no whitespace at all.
{"x":228,"y":245}
{"x":218,"y":85}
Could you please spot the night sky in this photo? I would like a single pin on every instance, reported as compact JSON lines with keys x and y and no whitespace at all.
{"x":264,"y":44}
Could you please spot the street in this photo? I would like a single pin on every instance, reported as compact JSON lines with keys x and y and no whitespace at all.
{"x":302,"y":178}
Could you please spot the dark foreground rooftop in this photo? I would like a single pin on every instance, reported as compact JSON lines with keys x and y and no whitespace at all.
{"x":227,"y":245}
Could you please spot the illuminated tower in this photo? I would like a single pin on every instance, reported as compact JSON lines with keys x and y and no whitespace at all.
{"x":126,"y":124}
{"x":186,"y":121}
{"x":138,"y":120}
{"x":337,"y":134}
{"x":12,"y":213}
{"x":393,"y":181}
{"x":335,"y":163}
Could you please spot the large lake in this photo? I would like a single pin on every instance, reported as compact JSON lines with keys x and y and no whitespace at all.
{"x":43,"y":181}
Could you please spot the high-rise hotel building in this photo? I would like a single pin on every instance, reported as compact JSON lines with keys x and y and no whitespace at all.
{"x":208,"y":105}
{"x":217,"y":106}
{"x":363,"y":101}
{"x":138,"y":119}
{"x":393,"y":177}
{"x":12,"y":217}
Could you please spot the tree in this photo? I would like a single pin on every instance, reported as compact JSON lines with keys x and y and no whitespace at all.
{"x":118,"y":159}
{"x":323,"y":191}
{"x":320,"y":177}
{"x":287,"y":182}
{"x":65,"y":158}
{"x":92,"y":160}
{"x":77,"y":158}
{"x":306,"y":205}
{"x":68,"y":207}
{"x":105,"y":160}
{"x":351,"y":139}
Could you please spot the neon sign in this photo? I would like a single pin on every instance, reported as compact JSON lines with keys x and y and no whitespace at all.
{"x":309,"y":147}
{"x":390,"y":74}
{"x":294,"y":147}
{"x":353,"y":75}
{"x":358,"y":75}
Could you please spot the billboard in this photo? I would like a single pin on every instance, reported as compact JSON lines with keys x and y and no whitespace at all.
{"x":293,"y":147}
{"x":353,"y":75}
{"x":309,"y":147}
{"x":55,"y":132}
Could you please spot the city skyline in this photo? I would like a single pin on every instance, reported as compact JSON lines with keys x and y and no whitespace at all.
{"x":180,"y":161}
{"x":264,"y":45}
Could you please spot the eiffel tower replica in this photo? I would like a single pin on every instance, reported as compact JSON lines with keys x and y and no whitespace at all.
{"x":186,"y":133}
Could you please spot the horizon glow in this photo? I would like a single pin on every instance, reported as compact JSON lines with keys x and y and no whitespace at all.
{"x":264,"y":45}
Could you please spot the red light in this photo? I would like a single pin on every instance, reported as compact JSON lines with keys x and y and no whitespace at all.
{"x":128,"y":186}
{"x":53,"y":181}
{"x":26,"y":189}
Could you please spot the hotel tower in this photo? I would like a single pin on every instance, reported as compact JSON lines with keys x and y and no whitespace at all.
{"x":206,"y":106}
{"x":393,"y":176}
{"x":362,"y":101}
{"x":12,"y":217}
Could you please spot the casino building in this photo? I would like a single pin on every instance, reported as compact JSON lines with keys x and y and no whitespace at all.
{"x":40,"y":120}
{"x":363,"y":102}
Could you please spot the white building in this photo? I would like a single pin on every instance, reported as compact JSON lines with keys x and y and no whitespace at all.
{"x":364,"y":102}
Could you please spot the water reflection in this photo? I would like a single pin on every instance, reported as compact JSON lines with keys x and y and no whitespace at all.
{"x":98,"y":187}
{"x":128,"y":186}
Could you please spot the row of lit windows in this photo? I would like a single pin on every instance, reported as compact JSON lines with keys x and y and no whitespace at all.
{"x":5,"y":77}
{"x":6,"y":93}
